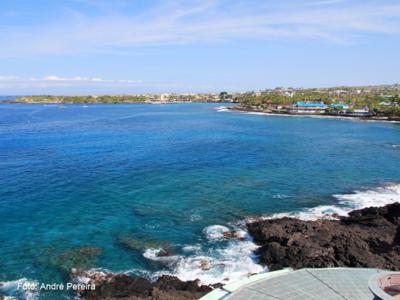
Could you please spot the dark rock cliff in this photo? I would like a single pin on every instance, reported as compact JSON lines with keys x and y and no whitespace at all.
{"x":368,"y":237}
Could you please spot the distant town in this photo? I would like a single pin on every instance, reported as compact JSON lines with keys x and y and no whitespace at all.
{"x":379,"y":102}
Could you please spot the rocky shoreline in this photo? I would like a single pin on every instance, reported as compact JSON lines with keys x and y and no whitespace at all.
{"x":368,"y":237}
{"x":120,"y":286}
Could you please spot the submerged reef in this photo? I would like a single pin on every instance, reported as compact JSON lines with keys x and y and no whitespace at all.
{"x":83,"y":258}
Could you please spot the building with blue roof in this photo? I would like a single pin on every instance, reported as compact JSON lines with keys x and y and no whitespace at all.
{"x":308,"y":108}
{"x":316,"y":107}
{"x":339,"y":105}
{"x":311,"y":105}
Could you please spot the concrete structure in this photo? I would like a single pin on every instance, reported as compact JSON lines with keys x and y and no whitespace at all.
{"x":304,"y":284}
{"x":360,"y":112}
{"x":309,"y":107}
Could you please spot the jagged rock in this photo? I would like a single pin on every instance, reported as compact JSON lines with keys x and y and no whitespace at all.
{"x":205,"y":265}
{"x":120,"y":286}
{"x":233,"y":235}
{"x":164,"y":253}
{"x":366,"y":238}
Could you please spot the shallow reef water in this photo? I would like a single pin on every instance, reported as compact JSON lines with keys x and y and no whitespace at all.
{"x":110,"y":186}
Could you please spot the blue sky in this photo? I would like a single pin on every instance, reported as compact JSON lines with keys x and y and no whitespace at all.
{"x":137,"y":46}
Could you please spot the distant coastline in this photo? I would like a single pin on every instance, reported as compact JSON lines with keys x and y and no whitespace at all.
{"x":118,"y":99}
{"x":239,"y":108}
{"x":376,"y":103}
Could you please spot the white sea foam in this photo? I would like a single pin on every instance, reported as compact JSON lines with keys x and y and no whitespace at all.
{"x":309,"y":214}
{"x":87,"y":276}
{"x":195,"y":217}
{"x":226,"y":262}
{"x":346,"y":203}
{"x":154,"y":254}
{"x":279,"y":196}
{"x":221,"y":108}
{"x":221,"y":265}
{"x":215,"y":232}
{"x":377,"y":197}
{"x":191,"y":248}
{"x":11,"y":289}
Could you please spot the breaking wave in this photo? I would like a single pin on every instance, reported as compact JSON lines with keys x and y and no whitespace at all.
{"x":228,"y":255}
{"x":377,"y":197}
{"x":225,"y":260}
{"x":12,"y":290}
{"x":346,"y":203}
{"x":221,"y":108}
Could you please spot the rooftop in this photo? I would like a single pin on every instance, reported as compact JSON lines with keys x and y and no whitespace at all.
{"x":310,"y":104}
{"x":304,"y":284}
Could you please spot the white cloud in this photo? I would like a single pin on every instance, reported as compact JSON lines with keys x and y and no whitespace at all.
{"x":72,"y":79}
{"x":53,"y":81}
{"x":174,"y":22}
{"x":84,"y":79}
{"x":11,"y":84}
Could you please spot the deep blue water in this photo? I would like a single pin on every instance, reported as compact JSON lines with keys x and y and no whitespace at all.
{"x":76,"y":176}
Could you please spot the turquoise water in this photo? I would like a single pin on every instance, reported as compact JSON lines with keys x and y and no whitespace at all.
{"x":74,"y":176}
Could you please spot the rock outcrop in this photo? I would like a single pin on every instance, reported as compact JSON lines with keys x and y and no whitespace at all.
{"x":368,"y":237}
{"x":110,"y":286}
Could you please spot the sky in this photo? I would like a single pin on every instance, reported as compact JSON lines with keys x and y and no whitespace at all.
{"x":147,"y":46}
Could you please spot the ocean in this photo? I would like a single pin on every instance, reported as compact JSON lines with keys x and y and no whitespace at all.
{"x":122,"y":182}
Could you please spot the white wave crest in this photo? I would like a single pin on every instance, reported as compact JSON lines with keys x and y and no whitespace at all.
{"x":157,"y":254}
{"x":311,"y":214}
{"x":215,"y":232}
{"x":346,"y":203}
{"x":13,"y":289}
{"x":221,"y":108}
{"x":222,"y":265}
{"x":219,"y":264}
{"x":191,"y":248}
{"x":377,"y":197}
{"x":230,"y":259}
{"x":195,"y":217}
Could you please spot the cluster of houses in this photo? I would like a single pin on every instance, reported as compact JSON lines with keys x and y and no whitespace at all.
{"x":322,"y":108}
{"x":185,"y":98}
